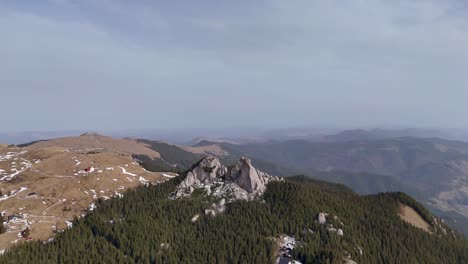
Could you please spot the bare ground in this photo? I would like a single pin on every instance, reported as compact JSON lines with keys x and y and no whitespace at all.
{"x":410,"y":216}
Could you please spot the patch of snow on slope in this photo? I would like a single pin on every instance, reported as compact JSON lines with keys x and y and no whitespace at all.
{"x":124,"y":171}
{"x":69,"y":224}
{"x":143,"y":180}
{"x":26,"y":165}
{"x":5,"y":197}
{"x":195,"y":218}
{"x":286,"y":245}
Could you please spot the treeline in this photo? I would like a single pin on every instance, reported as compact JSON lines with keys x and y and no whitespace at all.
{"x":171,"y":154}
{"x":2,"y":227}
{"x":157,"y":165}
{"x":146,"y":227}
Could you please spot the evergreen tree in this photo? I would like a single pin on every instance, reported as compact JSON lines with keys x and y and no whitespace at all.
{"x":147,"y":227}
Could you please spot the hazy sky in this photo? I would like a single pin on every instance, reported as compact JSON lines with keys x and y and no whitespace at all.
{"x":102,"y":64}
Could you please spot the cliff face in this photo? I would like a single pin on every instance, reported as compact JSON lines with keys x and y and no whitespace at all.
{"x":206,"y":171}
{"x":248,"y":178}
{"x":242,"y":180}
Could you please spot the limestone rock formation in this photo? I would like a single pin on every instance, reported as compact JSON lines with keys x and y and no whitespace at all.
{"x":340,"y":232}
{"x":242,"y":181}
{"x":322,"y":219}
{"x":205,"y":171}
{"x":249,"y":178}
{"x":216,"y":208}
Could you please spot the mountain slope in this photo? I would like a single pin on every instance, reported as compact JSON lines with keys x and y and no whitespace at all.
{"x":179,"y":158}
{"x":90,"y":142}
{"x":42,"y":188}
{"x":146,"y":226}
{"x":432,"y":170}
{"x":433,"y":166}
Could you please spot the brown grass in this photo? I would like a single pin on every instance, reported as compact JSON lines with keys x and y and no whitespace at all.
{"x":99,"y":143}
{"x":208,"y":150}
{"x":61,"y":195}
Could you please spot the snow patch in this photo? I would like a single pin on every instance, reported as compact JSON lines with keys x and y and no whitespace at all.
{"x":26,"y":163}
{"x":69,"y":224}
{"x":195,"y":218}
{"x":143,"y":180}
{"x":124,"y":171}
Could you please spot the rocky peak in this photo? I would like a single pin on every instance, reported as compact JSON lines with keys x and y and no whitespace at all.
{"x":248,"y":177}
{"x":242,"y":179}
{"x":205,"y":171}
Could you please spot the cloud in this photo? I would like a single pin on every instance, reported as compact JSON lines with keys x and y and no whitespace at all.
{"x":110,"y":64}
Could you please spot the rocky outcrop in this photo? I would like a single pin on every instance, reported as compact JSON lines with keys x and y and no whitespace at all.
{"x":285,"y":247}
{"x":242,"y":180}
{"x":340,"y":232}
{"x":321,"y":219}
{"x":216,"y":208}
{"x":249,"y":178}
{"x":205,"y":171}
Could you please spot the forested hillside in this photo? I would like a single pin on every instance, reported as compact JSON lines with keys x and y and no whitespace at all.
{"x":430,"y":169}
{"x":175,"y":158}
{"x":172,"y":157}
{"x":145,"y":226}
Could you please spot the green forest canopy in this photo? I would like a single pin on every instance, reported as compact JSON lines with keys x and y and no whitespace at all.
{"x":145,"y":226}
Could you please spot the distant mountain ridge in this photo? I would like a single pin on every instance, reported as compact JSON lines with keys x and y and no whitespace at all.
{"x":191,"y":136}
{"x":376,"y":134}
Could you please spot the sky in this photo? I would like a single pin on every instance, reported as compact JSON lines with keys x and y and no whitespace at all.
{"x":114,"y":64}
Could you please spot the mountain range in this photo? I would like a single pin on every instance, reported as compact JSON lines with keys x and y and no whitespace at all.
{"x":150,"y":201}
{"x":433,"y":170}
